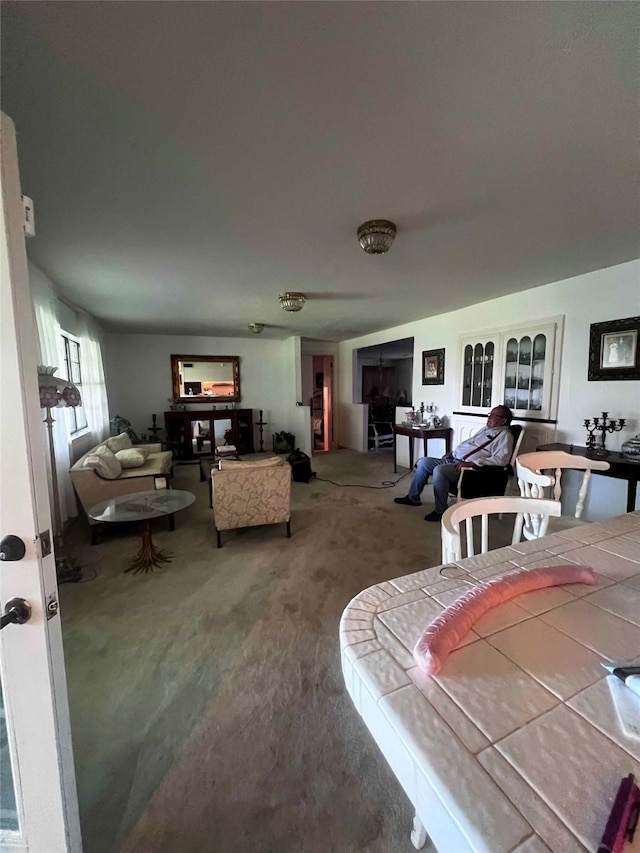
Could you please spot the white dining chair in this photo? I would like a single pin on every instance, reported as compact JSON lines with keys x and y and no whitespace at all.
{"x":532,"y":520}
{"x":540,"y":474}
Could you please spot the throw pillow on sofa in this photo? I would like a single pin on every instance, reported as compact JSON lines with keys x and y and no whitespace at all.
{"x":132,"y":457}
{"x":119,"y":442}
{"x":104,"y":462}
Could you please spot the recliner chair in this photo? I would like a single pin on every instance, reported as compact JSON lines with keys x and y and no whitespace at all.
{"x":491,"y":480}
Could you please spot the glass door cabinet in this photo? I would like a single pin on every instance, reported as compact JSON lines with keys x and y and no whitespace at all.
{"x":514,"y":367}
{"x":477,"y":383}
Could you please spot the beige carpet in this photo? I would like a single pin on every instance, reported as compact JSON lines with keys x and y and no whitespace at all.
{"x":207,"y":702}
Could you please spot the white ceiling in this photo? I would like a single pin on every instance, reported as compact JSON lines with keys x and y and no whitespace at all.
{"x":190,"y":161}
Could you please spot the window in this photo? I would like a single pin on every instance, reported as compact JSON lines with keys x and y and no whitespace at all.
{"x":76,"y":417}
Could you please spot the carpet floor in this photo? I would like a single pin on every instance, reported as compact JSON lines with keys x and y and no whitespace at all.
{"x":208,"y":708}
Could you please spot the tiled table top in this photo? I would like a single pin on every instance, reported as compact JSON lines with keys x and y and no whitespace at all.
{"x":519,"y":743}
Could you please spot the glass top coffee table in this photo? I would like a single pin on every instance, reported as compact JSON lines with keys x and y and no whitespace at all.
{"x":143,"y":506}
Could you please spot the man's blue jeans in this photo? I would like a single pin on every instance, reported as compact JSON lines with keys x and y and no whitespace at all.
{"x":445,"y":478}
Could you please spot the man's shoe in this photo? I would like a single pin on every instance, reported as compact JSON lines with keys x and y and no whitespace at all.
{"x":433,"y":516}
{"x":407,"y":501}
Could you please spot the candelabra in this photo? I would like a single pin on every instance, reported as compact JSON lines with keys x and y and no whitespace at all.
{"x":261,"y":425}
{"x":155,"y":428}
{"x":601,"y":425}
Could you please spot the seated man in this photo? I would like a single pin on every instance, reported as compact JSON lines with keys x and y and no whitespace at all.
{"x":492,"y":445}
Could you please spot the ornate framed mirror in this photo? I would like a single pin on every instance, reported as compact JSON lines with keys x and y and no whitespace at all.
{"x":206,"y":378}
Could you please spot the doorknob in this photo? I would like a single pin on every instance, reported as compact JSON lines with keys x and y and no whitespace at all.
{"x":12,"y":548}
{"x":16,"y":611}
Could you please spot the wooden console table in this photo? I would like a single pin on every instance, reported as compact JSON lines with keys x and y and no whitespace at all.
{"x":179,"y":428}
{"x":418,"y":432}
{"x":620,"y":468}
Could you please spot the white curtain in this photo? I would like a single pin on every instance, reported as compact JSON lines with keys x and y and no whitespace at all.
{"x":94,"y":391}
{"x":52,"y":355}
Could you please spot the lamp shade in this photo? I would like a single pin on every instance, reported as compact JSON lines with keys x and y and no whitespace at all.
{"x":56,"y":392}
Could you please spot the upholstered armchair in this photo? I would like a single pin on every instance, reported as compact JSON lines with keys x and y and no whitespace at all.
{"x":246,"y":494}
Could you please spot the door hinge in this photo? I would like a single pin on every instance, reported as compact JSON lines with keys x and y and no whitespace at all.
{"x":29,"y":222}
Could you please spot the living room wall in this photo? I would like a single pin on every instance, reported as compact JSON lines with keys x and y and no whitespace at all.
{"x":607,"y":294}
{"x":138,"y":369}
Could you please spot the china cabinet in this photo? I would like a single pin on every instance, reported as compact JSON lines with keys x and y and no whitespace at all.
{"x":516,"y":366}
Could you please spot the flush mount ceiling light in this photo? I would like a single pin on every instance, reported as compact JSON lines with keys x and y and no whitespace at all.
{"x":292,"y":301}
{"x":256,"y":328}
{"x":376,"y":236}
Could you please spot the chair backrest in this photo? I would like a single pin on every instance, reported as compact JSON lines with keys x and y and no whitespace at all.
{"x":532,"y":512}
{"x":245,"y":494}
{"x":518,"y":434}
{"x":533,"y":482}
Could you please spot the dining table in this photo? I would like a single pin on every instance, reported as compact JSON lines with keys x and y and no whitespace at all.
{"x":520,"y":742}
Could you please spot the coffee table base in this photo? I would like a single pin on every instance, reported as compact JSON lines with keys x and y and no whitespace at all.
{"x":148,"y":556}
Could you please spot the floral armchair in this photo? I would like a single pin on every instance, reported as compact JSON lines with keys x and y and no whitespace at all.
{"x":246,"y":494}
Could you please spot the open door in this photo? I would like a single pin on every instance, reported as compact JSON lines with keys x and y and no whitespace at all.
{"x":39,"y":808}
{"x":322,"y":403}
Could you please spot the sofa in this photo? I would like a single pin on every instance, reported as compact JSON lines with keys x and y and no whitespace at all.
{"x":246,"y":494}
{"x":117,"y":467}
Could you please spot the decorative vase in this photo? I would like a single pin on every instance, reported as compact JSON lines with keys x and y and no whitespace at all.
{"x":631,"y":449}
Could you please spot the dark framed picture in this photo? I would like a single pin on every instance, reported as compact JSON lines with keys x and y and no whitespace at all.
{"x":433,"y":367}
{"x":613,"y":349}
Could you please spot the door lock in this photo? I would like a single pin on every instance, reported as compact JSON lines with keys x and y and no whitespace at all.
{"x":12,"y":548}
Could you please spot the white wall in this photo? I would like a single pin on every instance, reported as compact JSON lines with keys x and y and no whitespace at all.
{"x":138,"y":369}
{"x":607,"y":294}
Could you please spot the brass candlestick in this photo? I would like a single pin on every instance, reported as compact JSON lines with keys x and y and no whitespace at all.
{"x":601,"y":425}
{"x":261,"y":425}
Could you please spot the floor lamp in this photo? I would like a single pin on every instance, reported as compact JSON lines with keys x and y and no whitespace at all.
{"x":57,"y":393}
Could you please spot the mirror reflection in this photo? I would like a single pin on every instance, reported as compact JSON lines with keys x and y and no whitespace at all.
{"x":202,"y":379}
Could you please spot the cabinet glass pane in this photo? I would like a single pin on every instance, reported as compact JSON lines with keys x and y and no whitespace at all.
{"x":510,"y":373}
{"x":537,"y":372}
{"x":524,"y":373}
{"x":467,"y":375}
{"x":488,"y":373}
{"x":478,"y":356}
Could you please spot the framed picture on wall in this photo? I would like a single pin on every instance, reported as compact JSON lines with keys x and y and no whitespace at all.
{"x":433,"y":367}
{"x":614,"y":351}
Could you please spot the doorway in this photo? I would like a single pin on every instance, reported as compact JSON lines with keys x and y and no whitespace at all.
{"x":321,"y":403}
{"x":384,"y":383}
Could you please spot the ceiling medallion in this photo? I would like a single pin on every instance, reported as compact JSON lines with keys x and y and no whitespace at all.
{"x":292,"y":301}
{"x":376,"y":236}
{"x":256,"y":328}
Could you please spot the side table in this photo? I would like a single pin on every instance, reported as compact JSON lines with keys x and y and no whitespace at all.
{"x":620,"y":468}
{"x":419,"y":432}
{"x":143,"y":506}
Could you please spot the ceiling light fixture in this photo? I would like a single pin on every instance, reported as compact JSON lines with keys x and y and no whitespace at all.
{"x":376,"y":236}
{"x":292,"y":301}
{"x":256,"y":328}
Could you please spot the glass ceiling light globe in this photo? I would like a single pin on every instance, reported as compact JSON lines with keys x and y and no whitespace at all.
{"x":376,"y":236}
{"x":292,"y":301}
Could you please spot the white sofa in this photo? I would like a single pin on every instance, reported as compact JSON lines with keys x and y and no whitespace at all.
{"x":96,"y":477}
